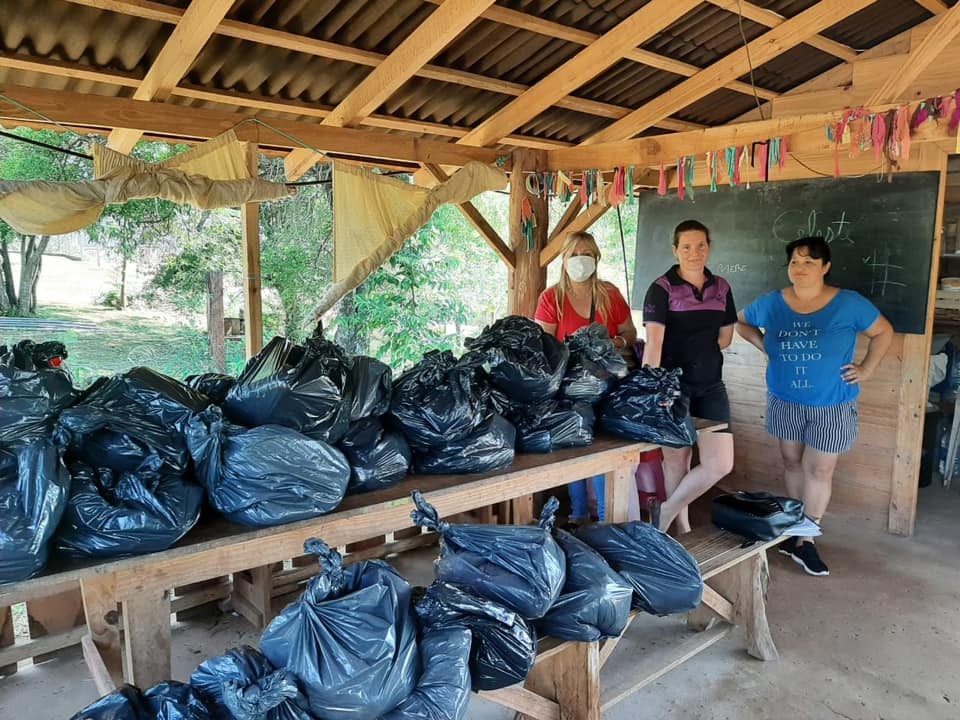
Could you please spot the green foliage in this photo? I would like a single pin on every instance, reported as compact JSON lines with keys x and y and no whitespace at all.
{"x":110,"y":299}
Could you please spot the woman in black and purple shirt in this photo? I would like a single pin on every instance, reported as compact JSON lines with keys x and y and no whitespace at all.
{"x":690,"y":316}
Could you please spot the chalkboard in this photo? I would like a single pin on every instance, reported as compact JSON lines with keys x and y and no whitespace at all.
{"x":881,"y":237}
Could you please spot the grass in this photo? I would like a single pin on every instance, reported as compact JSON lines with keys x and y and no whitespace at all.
{"x":126,"y":339}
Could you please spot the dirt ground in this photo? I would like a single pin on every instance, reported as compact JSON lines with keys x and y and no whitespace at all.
{"x":877,"y":640}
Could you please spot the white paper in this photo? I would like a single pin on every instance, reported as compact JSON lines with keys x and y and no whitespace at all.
{"x":804,"y":528}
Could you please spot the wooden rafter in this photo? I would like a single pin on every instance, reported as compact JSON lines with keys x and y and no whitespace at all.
{"x":585,"y":65}
{"x":548,"y":28}
{"x":251,"y":102}
{"x":766,"y":47}
{"x":333,"y":51}
{"x":475,"y":218}
{"x":934,"y":6}
{"x":946,"y":29}
{"x":772,"y":19}
{"x":429,"y":38}
{"x":179,"y":52}
{"x":177,"y":121}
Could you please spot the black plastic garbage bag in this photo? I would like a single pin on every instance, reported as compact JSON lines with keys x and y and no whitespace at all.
{"x":169,"y":700}
{"x":127,"y":513}
{"x":150,"y":409}
{"x":546,"y":427}
{"x":665,"y":577}
{"x":595,"y":601}
{"x":30,"y":401}
{"x":371,"y":386}
{"x":519,"y":358}
{"x":521,"y":567}
{"x":648,"y":405}
{"x":490,"y":447}
{"x":443,"y":691}
{"x":267,"y":475}
{"x":214,"y":385}
{"x":379,"y":458}
{"x":594,"y":367}
{"x":242,"y":684}
{"x":351,"y":639}
{"x":437,"y":401}
{"x":503,"y":645}
{"x":297,"y":386}
{"x":34,"y":488}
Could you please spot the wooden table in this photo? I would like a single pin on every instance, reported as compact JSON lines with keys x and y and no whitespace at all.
{"x":140,"y":585}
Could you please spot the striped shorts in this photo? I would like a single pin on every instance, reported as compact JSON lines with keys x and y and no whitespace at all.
{"x":831,"y":429}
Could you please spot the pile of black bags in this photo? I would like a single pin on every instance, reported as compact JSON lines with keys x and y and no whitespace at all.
{"x":649,"y":405}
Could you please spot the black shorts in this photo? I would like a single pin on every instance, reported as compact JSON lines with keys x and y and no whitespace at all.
{"x":709,"y":403}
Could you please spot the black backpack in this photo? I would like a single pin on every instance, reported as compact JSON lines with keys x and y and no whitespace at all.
{"x":756,"y":515}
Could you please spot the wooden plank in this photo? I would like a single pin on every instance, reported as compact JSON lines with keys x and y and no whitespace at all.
{"x":746,"y":584}
{"x":771,"y":19}
{"x":476,"y":219}
{"x":937,"y":40}
{"x":103,"y":622}
{"x":585,"y":65}
{"x":7,"y":638}
{"x":252,"y":281}
{"x":41,"y":647}
{"x":102,"y":679}
{"x":620,"y":482}
{"x":718,"y":603}
{"x":528,"y":278}
{"x":54,"y":614}
{"x":199,"y":594}
{"x":934,"y":6}
{"x":146,"y":636}
{"x":652,"y":667}
{"x":524,"y":701}
{"x":176,"y":121}
{"x":178,"y":53}
{"x":768,"y":46}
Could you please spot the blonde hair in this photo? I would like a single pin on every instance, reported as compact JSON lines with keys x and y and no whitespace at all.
{"x":601,"y":295}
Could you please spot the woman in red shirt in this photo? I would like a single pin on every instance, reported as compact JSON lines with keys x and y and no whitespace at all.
{"x":578,"y":299}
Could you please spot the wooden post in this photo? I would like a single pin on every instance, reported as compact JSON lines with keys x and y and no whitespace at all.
{"x":253,"y":317}
{"x":54,"y":614}
{"x":103,"y":622}
{"x":215,"y":329}
{"x":146,"y":637}
{"x":6,"y":638}
{"x":528,"y":279}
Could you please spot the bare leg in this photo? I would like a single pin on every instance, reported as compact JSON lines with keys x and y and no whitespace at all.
{"x":716,"y":461}
{"x":818,"y":470}
{"x":676,"y":464}
{"x":792,"y":454}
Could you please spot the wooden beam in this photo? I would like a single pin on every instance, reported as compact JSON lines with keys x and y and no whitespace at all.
{"x":585,"y":65}
{"x":252,"y":281}
{"x":944,"y":32}
{"x":179,"y":52}
{"x":430,"y":37}
{"x":541,"y":26}
{"x":934,"y":6}
{"x":772,"y":19}
{"x":198,"y":123}
{"x":572,"y":210}
{"x":778,"y":40}
{"x":475,"y":218}
{"x":333,"y":51}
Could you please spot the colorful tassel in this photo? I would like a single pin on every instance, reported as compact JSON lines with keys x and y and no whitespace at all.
{"x":922,"y":114}
{"x":681,"y":178}
{"x":584,"y":197}
{"x":662,"y":184}
{"x":712,"y":165}
{"x":617,"y":194}
{"x":528,"y":223}
{"x":691,"y":167}
{"x":955,"y":117}
{"x":878,"y":135}
{"x":901,"y":125}
{"x":741,"y":156}
{"x":730,"y":158}
{"x":764,"y":160}
{"x":629,"y":185}
{"x":783,"y":152}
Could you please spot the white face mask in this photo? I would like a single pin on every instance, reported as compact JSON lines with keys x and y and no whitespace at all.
{"x":581,"y":267}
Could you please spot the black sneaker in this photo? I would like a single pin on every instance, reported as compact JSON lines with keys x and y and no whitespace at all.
{"x":788,"y":547}
{"x":806,"y":556}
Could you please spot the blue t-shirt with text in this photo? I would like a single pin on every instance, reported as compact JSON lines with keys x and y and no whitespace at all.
{"x":806,"y":351}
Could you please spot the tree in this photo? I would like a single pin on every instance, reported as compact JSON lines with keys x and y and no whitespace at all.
{"x":22,"y":161}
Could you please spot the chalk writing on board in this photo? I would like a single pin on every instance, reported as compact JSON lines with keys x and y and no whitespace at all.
{"x":794,"y":224}
{"x":730,"y":269}
{"x":881,"y":267}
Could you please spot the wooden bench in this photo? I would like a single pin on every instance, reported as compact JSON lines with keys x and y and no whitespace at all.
{"x":566,"y":679}
{"x":127,"y":601}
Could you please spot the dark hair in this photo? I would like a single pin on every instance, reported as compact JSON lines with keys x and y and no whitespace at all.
{"x":687,"y":226}
{"x":816,"y":246}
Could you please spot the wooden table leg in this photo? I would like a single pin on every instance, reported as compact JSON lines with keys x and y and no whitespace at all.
{"x":745,"y":585}
{"x":6,"y":637}
{"x":52,"y":615}
{"x":619,"y":484}
{"x":103,"y":622}
{"x":572,"y":678}
{"x":146,"y":633}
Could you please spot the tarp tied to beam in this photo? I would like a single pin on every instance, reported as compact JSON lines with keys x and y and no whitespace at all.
{"x":373,"y":215}
{"x":212,"y":175}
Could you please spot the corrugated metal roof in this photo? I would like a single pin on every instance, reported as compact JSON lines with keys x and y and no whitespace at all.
{"x":476,"y":74}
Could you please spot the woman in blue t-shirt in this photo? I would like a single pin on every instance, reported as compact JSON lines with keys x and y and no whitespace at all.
{"x":809,"y":334}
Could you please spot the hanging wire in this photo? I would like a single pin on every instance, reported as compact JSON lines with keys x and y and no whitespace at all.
{"x":746,"y":46}
{"x":48,"y":146}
